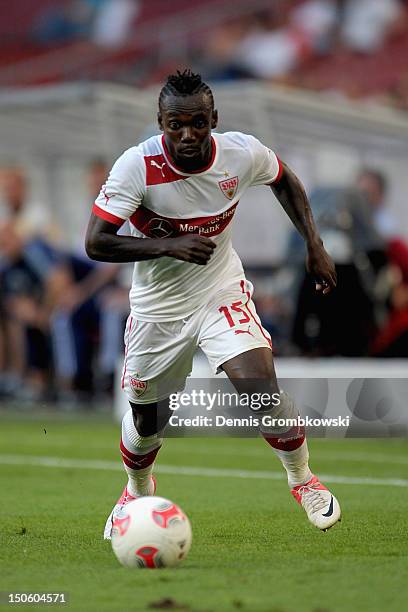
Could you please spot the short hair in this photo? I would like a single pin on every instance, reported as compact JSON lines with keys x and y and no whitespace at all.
{"x":377,"y":176}
{"x":185,"y":84}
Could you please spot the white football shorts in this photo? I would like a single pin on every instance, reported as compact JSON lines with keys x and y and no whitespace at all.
{"x":159,"y":356}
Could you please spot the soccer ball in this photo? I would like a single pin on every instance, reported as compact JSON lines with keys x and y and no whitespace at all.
{"x":151,"y":532}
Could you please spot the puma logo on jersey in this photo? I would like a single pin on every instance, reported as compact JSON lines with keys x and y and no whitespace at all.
{"x":156,"y":165}
{"x":243,"y":331}
{"x":107,"y":197}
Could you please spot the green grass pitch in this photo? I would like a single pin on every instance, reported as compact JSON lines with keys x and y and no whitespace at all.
{"x":253,"y":548}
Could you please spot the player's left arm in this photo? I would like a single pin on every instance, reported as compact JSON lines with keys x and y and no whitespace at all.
{"x":292,"y":197}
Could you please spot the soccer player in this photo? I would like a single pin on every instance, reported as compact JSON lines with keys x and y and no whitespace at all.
{"x":179,"y":191}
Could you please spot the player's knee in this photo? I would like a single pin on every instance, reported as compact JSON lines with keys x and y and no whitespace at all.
{"x":256,"y":364}
{"x":150,"y":419}
{"x":256,"y":382}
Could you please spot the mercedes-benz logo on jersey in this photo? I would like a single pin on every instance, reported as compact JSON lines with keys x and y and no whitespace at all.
{"x":159,"y":228}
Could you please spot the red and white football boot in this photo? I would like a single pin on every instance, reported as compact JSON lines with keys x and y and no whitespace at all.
{"x":124,"y":499}
{"x":321,"y":507}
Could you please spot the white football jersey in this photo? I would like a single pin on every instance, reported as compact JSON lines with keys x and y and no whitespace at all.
{"x":161,"y":201}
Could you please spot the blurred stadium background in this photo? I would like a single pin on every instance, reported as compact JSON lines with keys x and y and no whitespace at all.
{"x":323,"y":82}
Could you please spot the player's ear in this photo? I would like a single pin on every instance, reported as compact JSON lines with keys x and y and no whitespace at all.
{"x":160,"y":120}
{"x":214,"y":120}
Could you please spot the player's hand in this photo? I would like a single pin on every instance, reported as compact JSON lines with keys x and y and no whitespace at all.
{"x":192,"y":248}
{"x":320,"y":265}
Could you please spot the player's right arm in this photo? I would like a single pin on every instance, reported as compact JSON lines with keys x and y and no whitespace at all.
{"x":104,"y":244}
{"x":118,"y":200}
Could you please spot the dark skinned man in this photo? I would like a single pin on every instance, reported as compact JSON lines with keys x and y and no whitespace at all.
{"x":180,"y":191}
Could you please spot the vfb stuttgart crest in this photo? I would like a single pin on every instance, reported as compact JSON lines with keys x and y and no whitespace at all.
{"x":229,"y":187}
{"x":138,"y":386}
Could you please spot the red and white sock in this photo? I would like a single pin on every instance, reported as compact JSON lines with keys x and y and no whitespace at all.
{"x":290,"y":445}
{"x":138,"y":455}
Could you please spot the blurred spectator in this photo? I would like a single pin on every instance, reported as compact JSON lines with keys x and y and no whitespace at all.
{"x":30,"y":218}
{"x":65,"y":22}
{"x":346,"y":222}
{"x":317,"y":21}
{"x":218,"y":57}
{"x":74,"y":320}
{"x":113,"y":22}
{"x":61,"y":314}
{"x":345,"y":321}
{"x":89,"y":304}
{"x":25,"y":266}
{"x":392,"y":339}
{"x":373,"y":185}
{"x":277,"y":41}
{"x":285,"y":42}
{"x":367,"y":23}
{"x":26,"y":260}
{"x":272,"y":48}
{"x":105,"y":22}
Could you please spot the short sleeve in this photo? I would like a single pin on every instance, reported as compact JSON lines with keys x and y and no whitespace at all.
{"x":267,"y":168}
{"x":124,"y":189}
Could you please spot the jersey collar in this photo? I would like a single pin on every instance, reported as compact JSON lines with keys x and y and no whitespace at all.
{"x":173,"y":166}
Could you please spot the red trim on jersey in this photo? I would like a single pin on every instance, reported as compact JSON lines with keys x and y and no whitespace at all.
{"x":106,"y":216}
{"x":153,"y":225}
{"x":207,"y":167}
{"x":279,"y":175}
{"x":242,"y":283}
{"x":280,"y":171}
{"x":158,"y":171}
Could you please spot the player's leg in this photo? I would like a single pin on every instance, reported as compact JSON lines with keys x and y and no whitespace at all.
{"x":253,"y":372}
{"x":141,"y":440}
{"x":158,"y":359}
{"x":234,"y":340}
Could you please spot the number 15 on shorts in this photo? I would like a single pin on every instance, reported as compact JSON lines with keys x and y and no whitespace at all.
{"x":235,"y":307}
